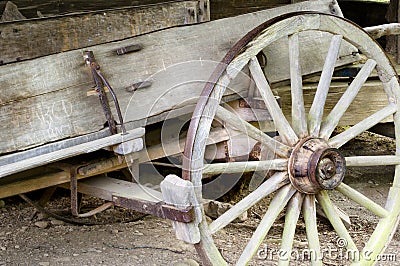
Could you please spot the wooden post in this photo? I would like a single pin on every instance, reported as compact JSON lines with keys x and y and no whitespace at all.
{"x":180,"y":193}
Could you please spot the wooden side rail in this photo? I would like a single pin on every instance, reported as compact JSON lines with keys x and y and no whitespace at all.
{"x":83,"y":148}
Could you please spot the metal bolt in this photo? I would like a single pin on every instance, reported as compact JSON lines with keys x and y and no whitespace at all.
{"x":129,"y":49}
{"x":326,"y":168}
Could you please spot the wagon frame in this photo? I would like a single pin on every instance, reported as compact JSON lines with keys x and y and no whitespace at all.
{"x":305,"y":163}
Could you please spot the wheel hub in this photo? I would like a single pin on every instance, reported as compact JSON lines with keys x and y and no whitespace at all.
{"x":314,"y":166}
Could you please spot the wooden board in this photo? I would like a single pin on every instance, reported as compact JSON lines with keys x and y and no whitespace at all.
{"x":28,"y":39}
{"x":45,"y":100}
{"x":219,"y":8}
{"x":35,"y":8}
{"x":370,"y":99}
{"x":223,"y":9}
{"x":105,"y":188}
{"x":310,"y":59}
{"x":70,"y":152}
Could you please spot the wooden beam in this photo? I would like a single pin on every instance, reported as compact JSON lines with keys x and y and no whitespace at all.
{"x":51,"y":157}
{"x":383,"y":30}
{"x":39,"y":37}
{"x":55,"y":7}
{"x":105,"y":187}
{"x":180,"y":193}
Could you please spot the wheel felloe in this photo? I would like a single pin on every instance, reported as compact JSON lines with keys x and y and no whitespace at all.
{"x":314,"y":166}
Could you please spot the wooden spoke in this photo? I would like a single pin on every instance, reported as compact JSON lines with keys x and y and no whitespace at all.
{"x":372,"y":160}
{"x":250,"y":166}
{"x":362,"y":200}
{"x":270,"y":185}
{"x":332,"y":120}
{"x":299,"y":121}
{"x":253,"y":132}
{"x":276,"y":206}
{"x":280,"y":121}
{"x":310,"y":219}
{"x":291,"y":218}
{"x":361,"y":126}
{"x":317,"y":107}
{"x":335,"y":220}
{"x":383,"y":231}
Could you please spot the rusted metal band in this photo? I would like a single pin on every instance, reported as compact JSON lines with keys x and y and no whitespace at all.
{"x":159,"y":209}
{"x":114,"y":96}
{"x":91,"y":62}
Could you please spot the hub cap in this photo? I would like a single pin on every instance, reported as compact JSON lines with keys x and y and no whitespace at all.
{"x":314,"y":166}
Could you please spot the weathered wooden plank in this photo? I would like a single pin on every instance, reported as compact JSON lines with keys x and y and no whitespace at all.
{"x":222,"y":8}
{"x":370,"y":99}
{"x":105,"y":187}
{"x":383,"y":30}
{"x":35,"y":8}
{"x":34,"y":38}
{"x":180,"y":193}
{"x":69,"y":152}
{"x":178,"y":61}
{"x":219,"y":8}
{"x":43,"y":177}
{"x":54,"y":146}
{"x":311,"y":60}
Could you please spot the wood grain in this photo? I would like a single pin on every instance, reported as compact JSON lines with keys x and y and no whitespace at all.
{"x":370,"y":99}
{"x":70,"y":152}
{"x":180,"y":193}
{"x":28,"y":39}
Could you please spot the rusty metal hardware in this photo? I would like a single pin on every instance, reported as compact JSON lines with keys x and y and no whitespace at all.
{"x":314,"y":166}
{"x":100,"y":81}
{"x":129,"y":49}
{"x":139,"y":85}
{"x":159,"y":209}
{"x":75,"y":195}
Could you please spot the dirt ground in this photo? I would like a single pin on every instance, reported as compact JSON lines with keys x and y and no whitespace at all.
{"x":123,"y":237}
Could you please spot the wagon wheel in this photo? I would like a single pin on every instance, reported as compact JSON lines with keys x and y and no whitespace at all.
{"x":309,"y":162}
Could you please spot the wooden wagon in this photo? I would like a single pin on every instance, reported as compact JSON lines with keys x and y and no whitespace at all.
{"x":214,"y":103}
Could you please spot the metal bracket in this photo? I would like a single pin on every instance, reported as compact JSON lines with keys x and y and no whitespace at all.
{"x":159,"y":209}
{"x":75,"y":196}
